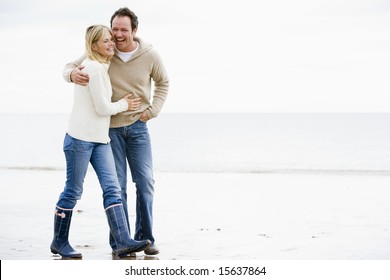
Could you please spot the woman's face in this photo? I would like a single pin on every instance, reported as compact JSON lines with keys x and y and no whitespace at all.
{"x":105,"y":46}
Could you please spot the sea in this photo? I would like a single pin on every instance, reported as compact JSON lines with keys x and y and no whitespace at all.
{"x":334,"y":143}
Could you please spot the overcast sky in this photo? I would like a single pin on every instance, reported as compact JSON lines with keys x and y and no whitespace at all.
{"x":221,"y":55}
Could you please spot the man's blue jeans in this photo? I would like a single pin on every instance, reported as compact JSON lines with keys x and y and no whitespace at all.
{"x":132,"y":143}
{"x":78,"y":154}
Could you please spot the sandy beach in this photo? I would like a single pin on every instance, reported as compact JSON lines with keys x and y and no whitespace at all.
{"x":212,"y":216}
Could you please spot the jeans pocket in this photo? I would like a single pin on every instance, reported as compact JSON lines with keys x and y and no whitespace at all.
{"x":140,"y":128}
{"x":73,"y":144}
{"x":68,"y":143}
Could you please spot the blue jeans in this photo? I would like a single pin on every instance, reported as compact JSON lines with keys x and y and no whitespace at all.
{"x":78,"y":154}
{"x":132,"y":143}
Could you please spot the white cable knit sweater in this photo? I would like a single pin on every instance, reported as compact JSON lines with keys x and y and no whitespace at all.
{"x":92,"y":106}
{"x":138,"y":76}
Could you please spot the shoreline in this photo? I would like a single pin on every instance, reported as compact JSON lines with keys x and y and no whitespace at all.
{"x":211,"y":216}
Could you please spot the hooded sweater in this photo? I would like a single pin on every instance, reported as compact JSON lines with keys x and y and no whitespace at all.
{"x":135,"y":76}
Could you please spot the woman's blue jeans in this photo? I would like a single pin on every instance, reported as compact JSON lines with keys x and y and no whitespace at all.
{"x":132,"y":143}
{"x":78,"y":155}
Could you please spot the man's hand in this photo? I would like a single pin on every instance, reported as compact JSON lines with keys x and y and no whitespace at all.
{"x":144,"y":117}
{"x":79,"y":77}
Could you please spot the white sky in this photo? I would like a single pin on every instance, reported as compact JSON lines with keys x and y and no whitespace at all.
{"x":221,"y":55}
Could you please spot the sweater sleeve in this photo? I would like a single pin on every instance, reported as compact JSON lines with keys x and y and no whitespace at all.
{"x":161,"y":86}
{"x":69,"y":68}
{"x":99,"y":85}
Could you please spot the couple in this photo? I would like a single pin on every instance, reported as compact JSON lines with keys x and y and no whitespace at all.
{"x":116,"y":83}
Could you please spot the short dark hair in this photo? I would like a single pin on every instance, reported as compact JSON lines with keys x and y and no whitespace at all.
{"x":126,"y":12}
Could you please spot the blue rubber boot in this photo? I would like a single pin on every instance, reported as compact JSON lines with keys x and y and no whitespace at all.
{"x":113,"y":245}
{"x":60,"y":244}
{"x":124,"y":245}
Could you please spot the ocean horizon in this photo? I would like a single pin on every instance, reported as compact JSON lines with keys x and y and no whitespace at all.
{"x":340,"y":143}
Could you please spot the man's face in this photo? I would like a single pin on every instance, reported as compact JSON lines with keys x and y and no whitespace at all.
{"x":123,"y":34}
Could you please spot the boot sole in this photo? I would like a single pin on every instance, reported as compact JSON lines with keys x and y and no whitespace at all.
{"x":142,"y":248}
{"x":78,"y":256}
{"x":151,"y":253}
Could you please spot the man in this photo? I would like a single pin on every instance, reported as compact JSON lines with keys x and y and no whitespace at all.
{"x":132,"y":69}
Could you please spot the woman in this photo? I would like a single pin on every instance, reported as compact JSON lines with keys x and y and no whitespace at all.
{"x":87,"y":141}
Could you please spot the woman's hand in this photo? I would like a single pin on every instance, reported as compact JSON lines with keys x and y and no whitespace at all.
{"x":133,"y":103}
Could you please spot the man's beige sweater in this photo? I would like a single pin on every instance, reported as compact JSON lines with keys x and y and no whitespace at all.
{"x":135,"y":76}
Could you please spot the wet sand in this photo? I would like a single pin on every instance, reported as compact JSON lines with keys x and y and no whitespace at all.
{"x":211,"y":216}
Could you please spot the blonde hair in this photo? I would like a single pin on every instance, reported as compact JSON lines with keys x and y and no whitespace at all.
{"x":93,"y":34}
